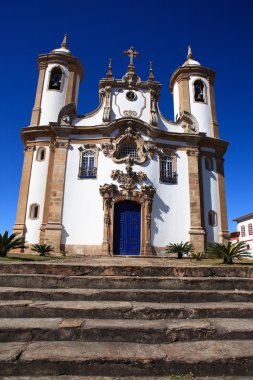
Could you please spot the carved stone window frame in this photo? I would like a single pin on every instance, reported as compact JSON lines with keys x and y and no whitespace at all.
{"x":88,"y":147}
{"x":31,"y":211}
{"x":209,"y":163}
{"x":205,"y":100}
{"x":38,"y":153}
{"x":167,"y":152}
{"x":129,"y":135}
{"x":212,"y":218}
{"x":49,"y":78}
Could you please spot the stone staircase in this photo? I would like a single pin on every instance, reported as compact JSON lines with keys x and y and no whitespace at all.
{"x":125,"y":318}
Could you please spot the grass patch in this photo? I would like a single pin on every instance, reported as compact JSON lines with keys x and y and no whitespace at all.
{"x":29,"y":257}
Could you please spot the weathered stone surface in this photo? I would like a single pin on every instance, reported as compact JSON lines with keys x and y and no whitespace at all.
{"x":118,"y":267}
{"x":127,"y":319}
{"x":10,"y":351}
{"x":138,"y":295}
{"x":89,"y":358}
{"x":124,"y":310}
{"x":125,"y":282}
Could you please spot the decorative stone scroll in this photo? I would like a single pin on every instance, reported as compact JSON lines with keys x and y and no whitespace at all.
{"x":144,"y":196}
{"x":66,"y":115}
{"x":107,"y":108}
{"x":129,"y":135}
{"x":128,"y":180}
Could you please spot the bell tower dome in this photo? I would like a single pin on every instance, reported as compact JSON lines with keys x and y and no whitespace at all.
{"x":192,"y":86}
{"x":59,"y":76}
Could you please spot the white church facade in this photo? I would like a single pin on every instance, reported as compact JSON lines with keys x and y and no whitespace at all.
{"x":122,"y":179}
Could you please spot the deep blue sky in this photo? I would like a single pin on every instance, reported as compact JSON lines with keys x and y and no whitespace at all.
{"x":220,"y":33}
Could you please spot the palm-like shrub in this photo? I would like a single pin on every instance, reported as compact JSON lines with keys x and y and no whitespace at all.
{"x":179,"y":248}
{"x":228,"y":251}
{"x":7,"y":243}
{"x":197,"y":255}
{"x":42,"y":249}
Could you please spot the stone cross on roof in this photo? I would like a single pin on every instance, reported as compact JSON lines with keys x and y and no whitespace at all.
{"x":131,"y":53}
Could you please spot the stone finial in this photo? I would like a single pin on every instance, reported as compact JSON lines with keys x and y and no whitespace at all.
{"x":109,"y":71}
{"x":189,"y":55}
{"x":151,"y":75}
{"x":64,"y":43}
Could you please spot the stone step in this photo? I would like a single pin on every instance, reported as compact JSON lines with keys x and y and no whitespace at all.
{"x":176,"y":377}
{"x":123,"y":310}
{"x":138,"y":295}
{"x":203,"y":358}
{"x":138,"y":331}
{"x":121,"y":267}
{"x":125,"y":282}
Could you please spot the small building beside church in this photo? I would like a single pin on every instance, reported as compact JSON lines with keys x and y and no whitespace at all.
{"x":244,"y":231}
{"x":122,"y":179}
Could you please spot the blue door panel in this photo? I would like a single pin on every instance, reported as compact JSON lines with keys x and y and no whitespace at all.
{"x":127,"y":226}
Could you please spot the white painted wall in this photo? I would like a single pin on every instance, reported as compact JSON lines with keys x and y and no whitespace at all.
{"x":83,"y":208}
{"x":176,"y":100}
{"x":211,"y":200}
{"x":171,"y":207}
{"x":201,"y":111}
{"x":83,"y":215}
{"x":120,"y":103}
{"x":36,"y":194}
{"x":52,"y":100}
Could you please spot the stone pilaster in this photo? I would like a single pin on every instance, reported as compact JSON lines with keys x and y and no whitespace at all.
{"x":107,"y":192}
{"x":214,"y":123}
{"x":36,"y":112}
{"x":71,"y":89}
{"x":224,"y":233}
{"x":148,"y":192}
{"x":53,"y":228}
{"x":19,"y":226}
{"x":196,"y":232}
{"x":47,"y":192}
{"x":184,"y":95}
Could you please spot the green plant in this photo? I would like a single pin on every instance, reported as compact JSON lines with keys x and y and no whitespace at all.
{"x":8,"y":243}
{"x":63,"y":252}
{"x":179,"y":248}
{"x":227,"y":251}
{"x":197,"y":255}
{"x":42,"y":249}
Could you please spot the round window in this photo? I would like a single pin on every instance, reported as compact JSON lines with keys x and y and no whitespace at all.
{"x":131,"y":95}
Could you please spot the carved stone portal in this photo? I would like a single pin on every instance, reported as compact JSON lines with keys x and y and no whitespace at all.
{"x":144,"y":196}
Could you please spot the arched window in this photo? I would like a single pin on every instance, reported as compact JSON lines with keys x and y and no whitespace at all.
{"x":243,"y":233}
{"x":167,"y":172}
{"x":209,"y":163}
{"x":212,"y":218}
{"x":250,"y":229}
{"x":87,"y":168}
{"x":41,"y":154}
{"x":127,"y":149}
{"x":55,"y":79}
{"x":34,"y":211}
{"x":199,"y":91}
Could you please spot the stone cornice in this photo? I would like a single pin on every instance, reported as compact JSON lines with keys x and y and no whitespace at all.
{"x":70,"y":61}
{"x":184,"y":72}
{"x":144,"y":85}
{"x":54,"y":130}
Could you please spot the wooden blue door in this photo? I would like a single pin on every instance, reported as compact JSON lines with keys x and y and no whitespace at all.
{"x":127,"y":228}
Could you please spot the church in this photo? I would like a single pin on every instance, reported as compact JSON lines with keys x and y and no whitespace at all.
{"x":122,"y":179}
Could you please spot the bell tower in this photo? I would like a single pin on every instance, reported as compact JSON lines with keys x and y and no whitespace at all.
{"x":59,"y":76}
{"x":192,"y":86}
